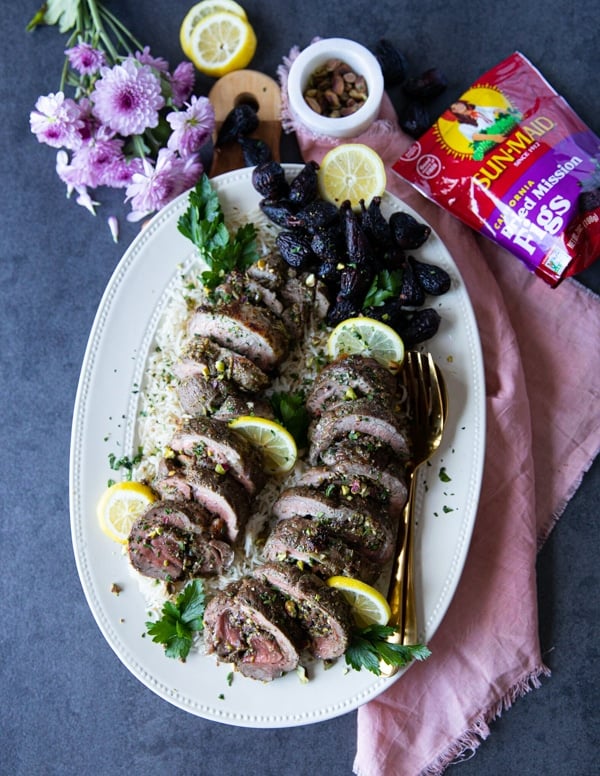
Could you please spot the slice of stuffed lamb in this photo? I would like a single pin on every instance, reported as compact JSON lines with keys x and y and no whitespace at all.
{"x":347,"y":378}
{"x":246,"y":624}
{"x":351,"y":419}
{"x":202,"y":356}
{"x":175,"y":541}
{"x":181,"y":480}
{"x":249,"y":330}
{"x":213,"y":444}
{"x":321,"y":611}
{"x":310,"y":545}
{"x":361,"y":522}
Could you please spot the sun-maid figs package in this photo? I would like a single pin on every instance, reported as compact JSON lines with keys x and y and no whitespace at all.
{"x":513,"y":160}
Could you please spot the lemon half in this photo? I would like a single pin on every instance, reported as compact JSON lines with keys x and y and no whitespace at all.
{"x":120,"y":506}
{"x":369,"y":607}
{"x":276,"y":444}
{"x":198,"y":12}
{"x":351,"y":171}
{"x":221,"y":43}
{"x":367,"y":337}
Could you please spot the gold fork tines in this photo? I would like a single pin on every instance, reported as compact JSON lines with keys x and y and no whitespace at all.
{"x":427,"y":403}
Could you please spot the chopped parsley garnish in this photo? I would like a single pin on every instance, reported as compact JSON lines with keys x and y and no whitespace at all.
{"x":291,"y":412}
{"x":369,"y":646}
{"x":204,"y":224}
{"x":125,"y":462}
{"x":444,"y":477}
{"x":179,"y":621}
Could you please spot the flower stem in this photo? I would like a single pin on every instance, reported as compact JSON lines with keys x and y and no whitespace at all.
{"x":120,"y":30}
{"x":94,"y":9}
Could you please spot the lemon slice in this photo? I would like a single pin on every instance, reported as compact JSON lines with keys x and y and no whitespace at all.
{"x":199,"y":11}
{"x":275,"y":442}
{"x":119,"y":507}
{"x":220,"y":43}
{"x":369,"y":607}
{"x":351,"y":171}
{"x":367,"y":337}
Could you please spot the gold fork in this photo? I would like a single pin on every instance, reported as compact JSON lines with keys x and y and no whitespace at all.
{"x":428,"y":406}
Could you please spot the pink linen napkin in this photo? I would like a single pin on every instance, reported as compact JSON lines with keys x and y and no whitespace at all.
{"x":541,"y":349}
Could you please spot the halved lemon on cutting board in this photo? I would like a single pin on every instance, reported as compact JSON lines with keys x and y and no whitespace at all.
{"x":368,"y":605}
{"x":276,"y":444}
{"x":199,"y":11}
{"x":221,"y":43}
{"x":351,"y":171}
{"x":367,"y":337}
{"x":119,"y":507}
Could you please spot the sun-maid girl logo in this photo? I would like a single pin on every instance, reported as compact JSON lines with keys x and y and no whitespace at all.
{"x":476,"y":123}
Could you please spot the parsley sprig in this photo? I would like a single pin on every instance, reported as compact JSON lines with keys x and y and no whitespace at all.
{"x":369,"y":646}
{"x":290,"y":410}
{"x":204,"y":224}
{"x":179,"y":621}
{"x":386,"y":285}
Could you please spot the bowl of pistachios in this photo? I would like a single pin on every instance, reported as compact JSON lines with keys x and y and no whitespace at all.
{"x":335,"y":87}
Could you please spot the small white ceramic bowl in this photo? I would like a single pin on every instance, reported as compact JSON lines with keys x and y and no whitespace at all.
{"x":362,"y":62}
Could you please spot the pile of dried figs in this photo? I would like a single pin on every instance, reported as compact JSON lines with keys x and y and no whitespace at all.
{"x":363,"y":258}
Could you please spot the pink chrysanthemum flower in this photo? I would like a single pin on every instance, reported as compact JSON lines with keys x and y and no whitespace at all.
{"x":158,"y":184}
{"x":98,"y":161}
{"x":191,"y":127}
{"x":97,"y":157}
{"x":85,"y":58}
{"x":145,"y":58}
{"x":182,"y":83}
{"x":57,"y":121}
{"x":127,"y":98}
{"x":121,"y":171}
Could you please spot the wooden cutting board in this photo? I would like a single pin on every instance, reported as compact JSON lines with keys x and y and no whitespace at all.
{"x":261,"y":92}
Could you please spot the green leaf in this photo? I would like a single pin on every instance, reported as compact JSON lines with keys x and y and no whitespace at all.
{"x":191,"y":604}
{"x":290,"y":410}
{"x":179,"y":621}
{"x":369,"y":646}
{"x":204,"y":224}
{"x":386,"y":285}
{"x":178,"y":647}
{"x":61,"y":12}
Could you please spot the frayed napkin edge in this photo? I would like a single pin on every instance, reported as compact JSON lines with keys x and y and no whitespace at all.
{"x":466,"y":745}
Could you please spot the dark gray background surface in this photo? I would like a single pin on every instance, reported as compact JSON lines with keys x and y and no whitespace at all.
{"x":68,"y":705}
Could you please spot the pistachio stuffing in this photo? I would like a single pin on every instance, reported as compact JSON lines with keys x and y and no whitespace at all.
{"x":335,"y":90}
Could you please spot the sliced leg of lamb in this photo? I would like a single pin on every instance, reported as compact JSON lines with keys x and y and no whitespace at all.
{"x":309,"y":544}
{"x":353,"y":418}
{"x":361,"y":522}
{"x":176,"y":541}
{"x":249,"y":330}
{"x":247,"y":624}
{"x":321,"y":611}
{"x":348,"y":378}
{"x":213,"y":444}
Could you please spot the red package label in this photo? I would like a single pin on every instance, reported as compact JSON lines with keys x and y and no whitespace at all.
{"x":514,"y":161}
